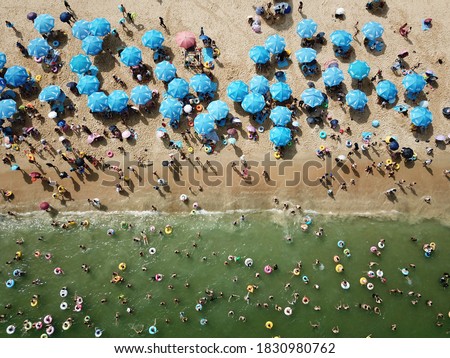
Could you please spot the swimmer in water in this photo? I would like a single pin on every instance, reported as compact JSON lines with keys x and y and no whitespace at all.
{"x":230,"y":313}
{"x":372,"y":263}
{"x":242,"y":319}
{"x":335,"y":329}
{"x":314,"y":325}
{"x":317,"y":308}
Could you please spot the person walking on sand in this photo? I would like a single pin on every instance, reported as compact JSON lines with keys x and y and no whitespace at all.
{"x":67,"y":5}
{"x":300,"y":7}
{"x":404,"y":31}
{"x":161,"y":22}
{"x":122,"y":9}
{"x":9,"y":25}
{"x":356,"y":29}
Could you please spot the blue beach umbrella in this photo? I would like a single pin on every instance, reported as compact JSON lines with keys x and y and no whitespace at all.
{"x":372,"y":30}
{"x":80,"y":64}
{"x":16,"y":76}
{"x":7,"y":108}
{"x":131,"y":56}
{"x":2,"y":60}
{"x":80,"y":29}
{"x":414,"y":83}
{"x":305,"y":55}
{"x":98,"y":102}
{"x":50,"y":93}
{"x":153,"y":39}
{"x":204,"y":123}
{"x":421,"y":117}
{"x":200,"y":83}
{"x":38,"y":47}
{"x":259,"y":54}
{"x":92,"y":45}
{"x":280,"y":91}
{"x":306,"y":28}
{"x":140,"y":95}
{"x":44,"y":23}
{"x":237,"y":90}
{"x":99,"y":27}
{"x":218,"y":110}
{"x":341,"y":38}
{"x":275,"y":44}
{"x":171,"y":108}
{"x":332,"y":76}
{"x":259,"y":84}
{"x":88,"y":85}
{"x":165,"y":71}
{"x":253,"y":102}
{"x":280,"y":116}
{"x":178,"y":88}
{"x":358,"y":70}
{"x":356,"y":99}
{"x":280,"y":136}
{"x":117,"y":101}
{"x":312,"y":97}
{"x":386,"y":90}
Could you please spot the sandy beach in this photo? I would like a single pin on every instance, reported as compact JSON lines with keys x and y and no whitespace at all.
{"x":226,"y":23}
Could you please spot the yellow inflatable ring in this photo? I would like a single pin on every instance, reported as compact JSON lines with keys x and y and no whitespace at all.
{"x":31,"y":157}
{"x":269,"y":325}
{"x":61,"y":189}
{"x":433,"y":246}
{"x":168,"y":229}
{"x":191,"y":149}
{"x":34,"y":302}
{"x":322,"y":148}
{"x":389,"y":162}
{"x":122,"y":266}
{"x":296,"y":271}
{"x":277,"y":155}
{"x":250,"y":288}
{"x":397,"y":166}
{"x":363,"y":281}
{"x":38,"y":78}
{"x":216,"y":52}
{"x":9,"y":193}
{"x":85,"y":223}
{"x":339,"y":268}
{"x":15,"y":146}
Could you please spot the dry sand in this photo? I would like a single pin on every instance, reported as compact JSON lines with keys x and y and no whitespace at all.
{"x":226,"y":23}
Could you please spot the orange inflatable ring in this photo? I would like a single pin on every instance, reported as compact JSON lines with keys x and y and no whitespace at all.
{"x":199,"y":108}
{"x":190,"y":123}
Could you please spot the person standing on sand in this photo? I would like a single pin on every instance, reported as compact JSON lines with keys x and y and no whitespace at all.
{"x":161,"y":22}
{"x":67,"y":5}
{"x":300,"y":7}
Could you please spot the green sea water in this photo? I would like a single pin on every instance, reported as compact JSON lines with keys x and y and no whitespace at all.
{"x":200,"y":263}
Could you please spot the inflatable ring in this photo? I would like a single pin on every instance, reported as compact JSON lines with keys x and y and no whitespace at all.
{"x":50,"y":330}
{"x":153,"y":330}
{"x":381,"y":245}
{"x":248,"y":262}
{"x":196,"y":100}
{"x":322,"y":148}
{"x":18,"y":254}
{"x":198,"y":307}
{"x":290,"y":144}
{"x":433,"y":246}
{"x":38,"y":325}
{"x":323,"y":134}
{"x":44,"y":335}
{"x":38,"y":78}
{"x":305,"y":300}
{"x":87,"y":319}
{"x":31,"y":157}
{"x":55,"y":69}
{"x":15,"y":147}
{"x":268,"y":269}
{"x":191,"y":150}
{"x":216,"y":52}
{"x":348,"y":144}
{"x":269,"y":325}
{"x":48,"y":256}
{"x":110,"y":232}
{"x":10,"y":329}
{"x":304,"y":227}
{"x":168,"y":229}
{"x":63,"y":306}
{"x":16,"y":272}
{"x":34,"y":302}
{"x":370,"y":286}
{"x":345,"y":285}
{"x":296,"y":271}
{"x":363,"y":281}
{"x":341,"y":244}
{"x":250,"y":288}
{"x":152,"y":251}
{"x":397,"y":166}
{"x":85,"y":223}
{"x":371,"y":274}
{"x":109,"y":154}
{"x":57,"y":271}
{"x":250,"y":135}
{"x":98,"y":333}
{"x":389,"y":162}
{"x":288,"y":311}
{"x":48,"y":319}
{"x":307,"y":220}
{"x":79,"y":300}
{"x":305,"y":279}
{"x":10,"y":283}
{"x":336,"y":259}
{"x":63,"y":293}
{"x":260,"y":129}
{"x":373,"y":249}
{"x":78,"y":308}
{"x":55,"y":43}
{"x":224,"y":142}
{"x":27,"y":325}
{"x":190,"y":123}
{"x":199,"y":107}
{"x":405,"y":272}
{"x":339,"y":268}
{"x":66,"y":325}
{"x":158,"y":277}
{"x":38,"y":59}
{"x":347,"y":253}
{"x":208,"y":149}
{"x":427,"y":254}
{"x":277,"y":155}
{"x":380,"y":273}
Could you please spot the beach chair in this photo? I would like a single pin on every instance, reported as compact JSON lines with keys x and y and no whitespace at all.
{"x":192,"y":60}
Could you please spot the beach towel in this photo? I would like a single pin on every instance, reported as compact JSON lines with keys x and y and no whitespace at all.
{"x":425,"y":26}
{"x":207,"y":54}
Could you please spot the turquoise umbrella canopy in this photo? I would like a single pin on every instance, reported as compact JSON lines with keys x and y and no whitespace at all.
{"x":49,"y":93}
{"x":178,"y":88}
{"x":92,"y":45}
{"x":38,"y":47}
{"x":117,"y":101}
{"x":312,"y":97}
{"x":306,"y":55}
{"x":99,"y":27}
{"x":237,"y":90}
{"x":218,"y":110}
{"x":131,"y":56}
{"x":386,"y":90}
{"x":358,"y":70}
{"x":80,"y":64}
{"x":80,"y":29}
{"x":165,"y":71}
{"x":275,"y":44}
{"x":200,"y":83}
{"x":16,"y":76}
{"x":421,"y":117}
{"x":44,"y":23}
{"x":7,"y":108}
{"x":259,"y":84}
{"x":280,"y":116}
{"x":204,"y":123}
{"x":259,"y":54}
{"x":332,"y":76}
{"x":280,"y":91}
{"x":140,"y":95}
{"x":306,"y":28}
{"x":88,"y":85}
{"x":372,"y":30}
{"x":253,"y":103}
{"x":280,"y":136}
{"x":153,"y":39}
{"x":356,"y":99}
{"x":414,"y":83}
{"x":171,"y":108}
{"x":98,"y":102}
{"x":341,"y":38}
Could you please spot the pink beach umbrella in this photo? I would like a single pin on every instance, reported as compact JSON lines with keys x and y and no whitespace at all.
{"x":44,"y":205}
{"x":232,"y":131}
{"x":185,"y":39}
{"x":251,"y":129}
{"x":92,"y":137}
{"x":126,"y":134}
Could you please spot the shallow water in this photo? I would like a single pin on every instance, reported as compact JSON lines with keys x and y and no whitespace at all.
{"x":262,"y":237}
